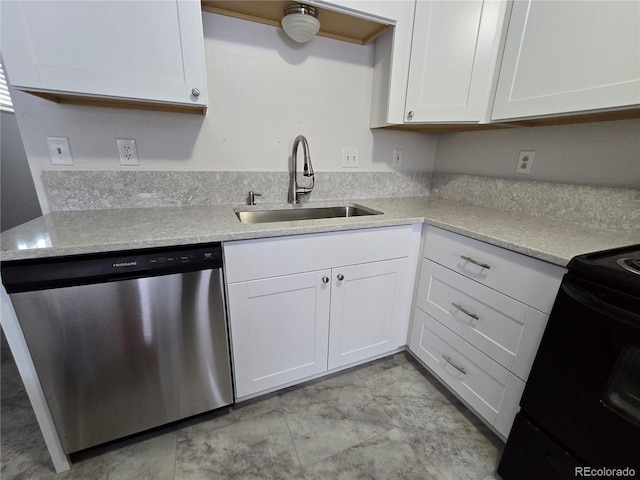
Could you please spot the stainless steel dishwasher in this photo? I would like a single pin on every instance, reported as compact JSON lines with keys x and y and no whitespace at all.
{"x":127,"y":341}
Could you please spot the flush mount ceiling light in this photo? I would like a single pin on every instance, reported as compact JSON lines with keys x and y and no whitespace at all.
{"x":300,"y":22}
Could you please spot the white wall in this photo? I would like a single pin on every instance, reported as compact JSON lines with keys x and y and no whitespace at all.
{"x":264,"y":90}
{"x":18,"y":200}
{"x":601,"y":154}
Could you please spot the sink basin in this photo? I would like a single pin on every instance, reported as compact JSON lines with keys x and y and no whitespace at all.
{"x":288,"y":215}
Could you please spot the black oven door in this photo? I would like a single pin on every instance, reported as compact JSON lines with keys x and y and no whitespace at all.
{"x":584,"y":387}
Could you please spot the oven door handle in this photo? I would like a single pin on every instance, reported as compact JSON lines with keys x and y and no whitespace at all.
{"x":592,"y":301}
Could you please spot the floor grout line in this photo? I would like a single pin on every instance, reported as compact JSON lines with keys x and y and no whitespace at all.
{"x":376,"y":410}
{"x":349,"y":448}
{"x":175,"y":459}
{"x":291,"y":437}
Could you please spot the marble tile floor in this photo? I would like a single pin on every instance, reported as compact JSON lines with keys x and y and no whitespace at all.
{"x":388,"y":419}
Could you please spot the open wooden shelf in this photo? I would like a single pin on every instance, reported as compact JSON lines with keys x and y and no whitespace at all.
{"x":626,"y":114}
{"x":444,"y":127}
{"x":338,"y":26}
{"x":97,"y":101}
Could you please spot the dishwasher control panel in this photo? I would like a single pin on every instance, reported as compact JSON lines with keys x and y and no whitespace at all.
{"x":24,"y":275}
{"x":180,"y":260}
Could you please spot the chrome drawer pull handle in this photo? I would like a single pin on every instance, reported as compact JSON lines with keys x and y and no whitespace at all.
{"x":480,"y":264}
{"x":465,"y":311}
{"x":325,"y":279}
{"x":448,"y":360}
{"x":340,"y":277}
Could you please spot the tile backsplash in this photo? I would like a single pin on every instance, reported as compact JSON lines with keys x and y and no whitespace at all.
{"x":94,"y":189}
{"x":590,"y":206}
{"x":597,"y":207}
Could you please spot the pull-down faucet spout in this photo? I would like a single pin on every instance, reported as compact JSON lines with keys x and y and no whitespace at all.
{"x":307,"y":170}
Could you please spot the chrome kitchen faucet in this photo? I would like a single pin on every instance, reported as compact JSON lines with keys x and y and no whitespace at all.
{"x":307,"y":170}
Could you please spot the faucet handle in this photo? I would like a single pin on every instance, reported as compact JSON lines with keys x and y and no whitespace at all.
{"x":251,"y":199}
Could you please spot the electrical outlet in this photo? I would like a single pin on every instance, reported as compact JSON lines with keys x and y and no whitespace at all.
{"x":127,"y":151}
{"x":350,"y":157}
{"x":525,"y":162}
{"x":59,"y":151}
{"x":397,"y":159}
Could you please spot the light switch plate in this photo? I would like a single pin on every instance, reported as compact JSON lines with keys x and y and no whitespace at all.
{"x":350,"y":157}
{"x":397,"y":158}
{"x":59,"y":151}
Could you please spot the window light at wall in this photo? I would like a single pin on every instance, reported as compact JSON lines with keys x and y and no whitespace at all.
{"x":300,"y":22}
{"x":5,"y":98}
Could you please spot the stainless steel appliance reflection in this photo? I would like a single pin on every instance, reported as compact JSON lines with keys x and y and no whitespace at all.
{"x":126,"y":342}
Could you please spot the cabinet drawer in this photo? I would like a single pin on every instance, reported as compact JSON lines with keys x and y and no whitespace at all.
{"x":529,"y":280}
{"x":499,"y":326}
{"x":480,"y":381}
{"x":270,"y":257}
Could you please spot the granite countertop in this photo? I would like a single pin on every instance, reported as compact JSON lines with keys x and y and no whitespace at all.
{"x":93,"y":231}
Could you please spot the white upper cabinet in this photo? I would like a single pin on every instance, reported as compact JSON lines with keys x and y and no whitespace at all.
{"x":391,"y":67}
{"x":566,"y":57}
{"x":453,"y":59}
{"x":383,"y":10}
{"x":148,"y":51}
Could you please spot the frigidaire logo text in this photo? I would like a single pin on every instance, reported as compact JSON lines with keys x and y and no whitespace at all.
{"x":125,"y":264}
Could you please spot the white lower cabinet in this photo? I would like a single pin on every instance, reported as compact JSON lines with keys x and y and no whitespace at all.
{"x":475,"y":326}
{"x":506,"y":329}
{"x":479,"y":380}
{"x":367,"y":307}
{"x":280,"y":330}
{"x":286,"y":327}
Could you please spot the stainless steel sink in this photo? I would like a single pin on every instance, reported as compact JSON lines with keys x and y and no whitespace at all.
{"x":311,"y":213}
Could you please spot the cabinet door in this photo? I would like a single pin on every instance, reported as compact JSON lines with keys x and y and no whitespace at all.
{"x":369,"y":310}
{"x":453,"y":55}
{"x":391,"y":65}
{"x":568,"y":56}
{"x":279,"y":330}
{"x":140,"y":50}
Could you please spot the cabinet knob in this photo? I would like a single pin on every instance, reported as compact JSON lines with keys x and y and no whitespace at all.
{"x":325,"y":279}
{"x":340,"y":277}
{"x":195,"y":92}
{"x":410,"y":114}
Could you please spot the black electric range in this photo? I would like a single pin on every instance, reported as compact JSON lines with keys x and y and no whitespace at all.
{"x":580,"y":410}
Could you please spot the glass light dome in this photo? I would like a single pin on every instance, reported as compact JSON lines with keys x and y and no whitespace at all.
{"x":300,"y":22}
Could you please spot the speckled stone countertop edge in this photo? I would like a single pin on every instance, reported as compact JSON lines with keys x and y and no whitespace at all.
{"x":98,"y":231}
